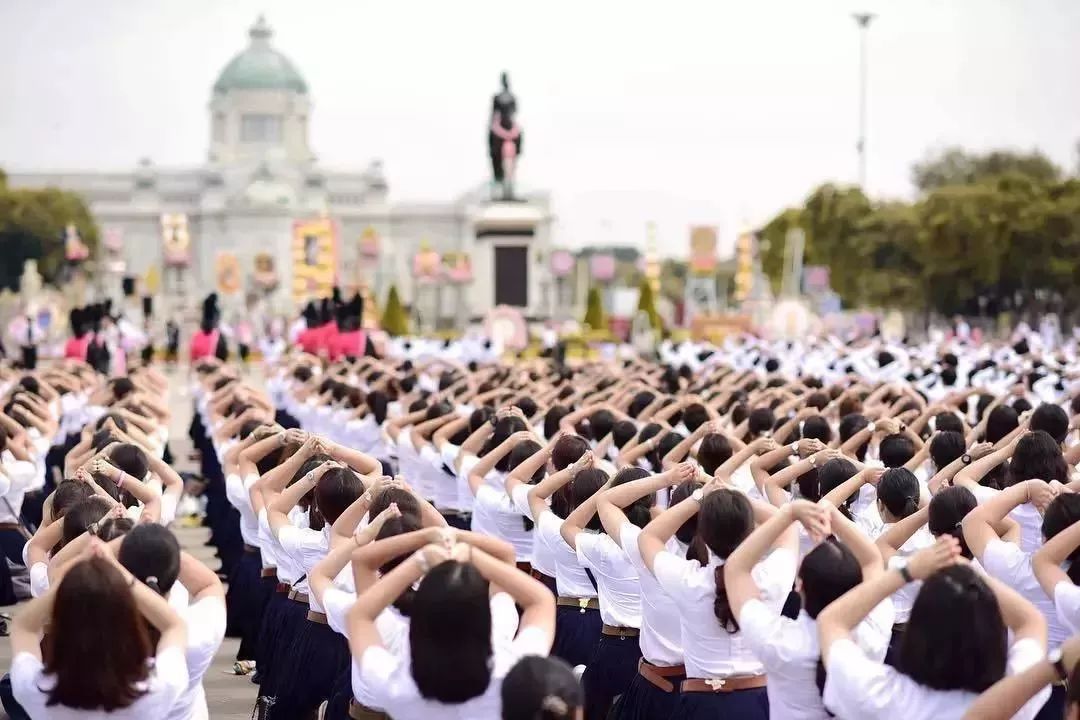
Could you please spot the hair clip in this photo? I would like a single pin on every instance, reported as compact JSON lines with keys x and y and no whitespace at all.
{"x":554,"y":704}
{"x":151,"y":579}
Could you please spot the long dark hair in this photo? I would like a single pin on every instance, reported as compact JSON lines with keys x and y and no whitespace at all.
{"x":98,"y":645}
{"x":947,"y":512}
{"x":1037,"y":456}
{"x":725,"y":519}
{"x":451,"y":661}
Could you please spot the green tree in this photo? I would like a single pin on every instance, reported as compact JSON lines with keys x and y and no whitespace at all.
{"x":32,"y":225}
{"x":772,"y":239}
{"x":595,"y":317}
{"x":395,"y":320}
{"x":955,"y":166}
{"x":647,"y":304}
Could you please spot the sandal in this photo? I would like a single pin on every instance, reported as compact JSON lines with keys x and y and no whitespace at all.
{"x":242,"y":667}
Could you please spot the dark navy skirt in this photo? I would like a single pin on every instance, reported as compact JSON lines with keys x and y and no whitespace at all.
{"x":608,"y":673}
{"x":644,"y":701}
{"x":752,"y":704}
{"x":1055,"y":705}
{"x":240,"y":600}
{"x":283,"y":628}
{"x":308,"y":670}
{"x":576,"y":634}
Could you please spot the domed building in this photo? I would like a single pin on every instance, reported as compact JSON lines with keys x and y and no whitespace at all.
{"x":262,"y":207}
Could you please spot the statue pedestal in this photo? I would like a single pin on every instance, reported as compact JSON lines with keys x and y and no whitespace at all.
{"x":508,"y":245}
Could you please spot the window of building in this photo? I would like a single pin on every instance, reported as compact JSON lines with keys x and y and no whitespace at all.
{"x":260,"y":128}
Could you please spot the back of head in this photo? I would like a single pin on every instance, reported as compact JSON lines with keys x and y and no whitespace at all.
{"x":945,"y":447}
{"x":151,"y":553}
{"x":947,"y":511}
{"x":895,"y":450}
{"x":1052,"y":420}
{"x":831,"y":475}
{"x":98,"y":646}
{"x":955,"y":619}
{"x":1037,"y":457}
{"x":636,"y":512}
{"x":948,"y":422}
{"x":450,"y":660}
{"x":568,"y":450}
{"x":726,"y":518}
{"x":828,"y":571}
{"x":817,"y":427}
{"x":760,"y":421}
{"x":131,"y":459}
{"x":522,"y":452}
{"x":336,"y":490}
{"x":541,"y":688}
{"x":121,"y":387}
{"x":527,"y":405}
{"x":600,"y":423}
{"x":84,"y":515}
{"x":622,"y":432}
{"x":688,"y":531}
{"x":714,"y":451}
{"x":639,"y":402}
{"x":68,"y":494}
{"x":1002,"y":420}
{"x":694,"y":416}
{"x":1063,"y":511}
{"x":552,"y":418}
{"x":898,"y":491}
{"x":850,"y":425}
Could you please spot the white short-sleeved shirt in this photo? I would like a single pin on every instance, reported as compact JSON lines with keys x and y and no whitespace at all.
{"x":616,"y":576}
{"x":392,"y":627}
{"x":496,"y":479}
{"x":167,"y":680}
{"x":661,"y":628}
{"x":495,"y":512}
{"x":543,"y":558}
{"x":388,"y":676}
{"x":1012,"y":566}
{"x":710,"y":651}
{"x":205,"y":622}
{"x":440,"y":486}
{"x":39,"y":579}
{"x":570,"y":578}
{"x":904,"y":598}
{"x":238,"y":492}
{"x":858,"y":687}
{"x":307,"y":548}
{"x":789,"y":650}
{"x":1067,"y":604}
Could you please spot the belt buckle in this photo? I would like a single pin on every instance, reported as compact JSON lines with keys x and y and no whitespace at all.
{"x":583,"y":603}
{"x":715,"y":683}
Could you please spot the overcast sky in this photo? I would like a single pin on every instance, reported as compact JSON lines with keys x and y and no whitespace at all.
{"x":718,"y":112}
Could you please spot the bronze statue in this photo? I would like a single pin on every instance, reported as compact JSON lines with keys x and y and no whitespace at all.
{"x":504,"y":141}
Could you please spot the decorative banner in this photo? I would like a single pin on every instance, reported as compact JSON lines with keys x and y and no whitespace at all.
{"x":744,"y":272}
{"x":426,"y":265}
{"x":227,"y":272}
{"x":703,"y":241}
{"x":506,"y":327}
{"x":602,"y":267}
{"x":175,"y":239}
{"x":369,"y":244}
{"x":457,"y":267}
{"x":265,"y":275}
{"x":314,"y":259}
{"x":562,"y":263}
{"x":75,"y":249}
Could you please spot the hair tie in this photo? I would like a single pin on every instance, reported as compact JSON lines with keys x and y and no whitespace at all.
{"x":554,"y":704}
{"x":151,"y":580}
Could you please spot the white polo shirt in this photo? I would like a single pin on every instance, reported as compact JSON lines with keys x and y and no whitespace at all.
{"x":1066,"y":602}
{"x":388,"y":676}
{"x":393,"y":630}
{"x":543,"y":557}
{"x":307,"y":548}
{"x":570,"y":579}
{"x":205,"y":622}
{"x":1012,"y":566}
{"x":616,"y":576}
{"x":856,"y":686}
{"x":496,"y":512}
{"x":709,"y":649}
{"x":790,"y":652}
{"x":661,"y":628}
{"x":238,"y":492}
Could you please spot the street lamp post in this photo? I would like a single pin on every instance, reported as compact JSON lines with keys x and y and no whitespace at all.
{"x":863,"y":21}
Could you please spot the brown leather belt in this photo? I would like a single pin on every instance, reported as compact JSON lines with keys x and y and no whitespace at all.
{"x":658,"y":674}
{"x":15,"y":526}
{"x":724,"y":685}
{"x":269,"y":573}
{"x":298,"y":596}
{"x":317,"y":617}
{"x":524,"y":567}
{"x":362,"y":712}
{"x":619,"y":632}
{"x":582,"y":604}
{"x":283,"y":588}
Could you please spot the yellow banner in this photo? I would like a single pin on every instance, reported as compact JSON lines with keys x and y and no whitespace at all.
{"x":314,"y":259}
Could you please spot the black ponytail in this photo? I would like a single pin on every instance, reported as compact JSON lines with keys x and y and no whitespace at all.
{"x":721,"y":605}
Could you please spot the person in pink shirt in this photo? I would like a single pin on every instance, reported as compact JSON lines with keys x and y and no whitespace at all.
{"x":79,"y":342}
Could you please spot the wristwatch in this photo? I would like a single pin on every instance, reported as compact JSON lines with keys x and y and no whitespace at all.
{"x":871,"y":427}
{"x":1055,"y":658}
{"x":794,"y":447}
{"x":966,"y":459}
{"x":697,"y":495}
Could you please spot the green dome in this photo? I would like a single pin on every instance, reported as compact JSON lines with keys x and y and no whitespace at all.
{"x":260,"y":67}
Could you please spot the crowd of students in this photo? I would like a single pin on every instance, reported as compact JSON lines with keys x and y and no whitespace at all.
{"x":750,"y":530}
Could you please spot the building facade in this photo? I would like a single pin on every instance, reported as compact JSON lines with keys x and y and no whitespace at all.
{"x":260,"y":178}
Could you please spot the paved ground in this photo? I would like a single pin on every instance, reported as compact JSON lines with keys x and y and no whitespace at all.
{"x":230,"y":697}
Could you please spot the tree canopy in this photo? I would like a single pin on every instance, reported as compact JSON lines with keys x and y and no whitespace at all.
{"x":32,"y":224}
{"x":986,"y":233}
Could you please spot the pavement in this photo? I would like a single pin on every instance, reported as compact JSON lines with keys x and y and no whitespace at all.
{"x":229,"y":697}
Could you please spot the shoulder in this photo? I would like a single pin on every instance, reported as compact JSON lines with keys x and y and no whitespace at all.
{"x":857,"y":686}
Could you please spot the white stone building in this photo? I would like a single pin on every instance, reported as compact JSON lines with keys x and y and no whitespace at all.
{"x":260,"y":176}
